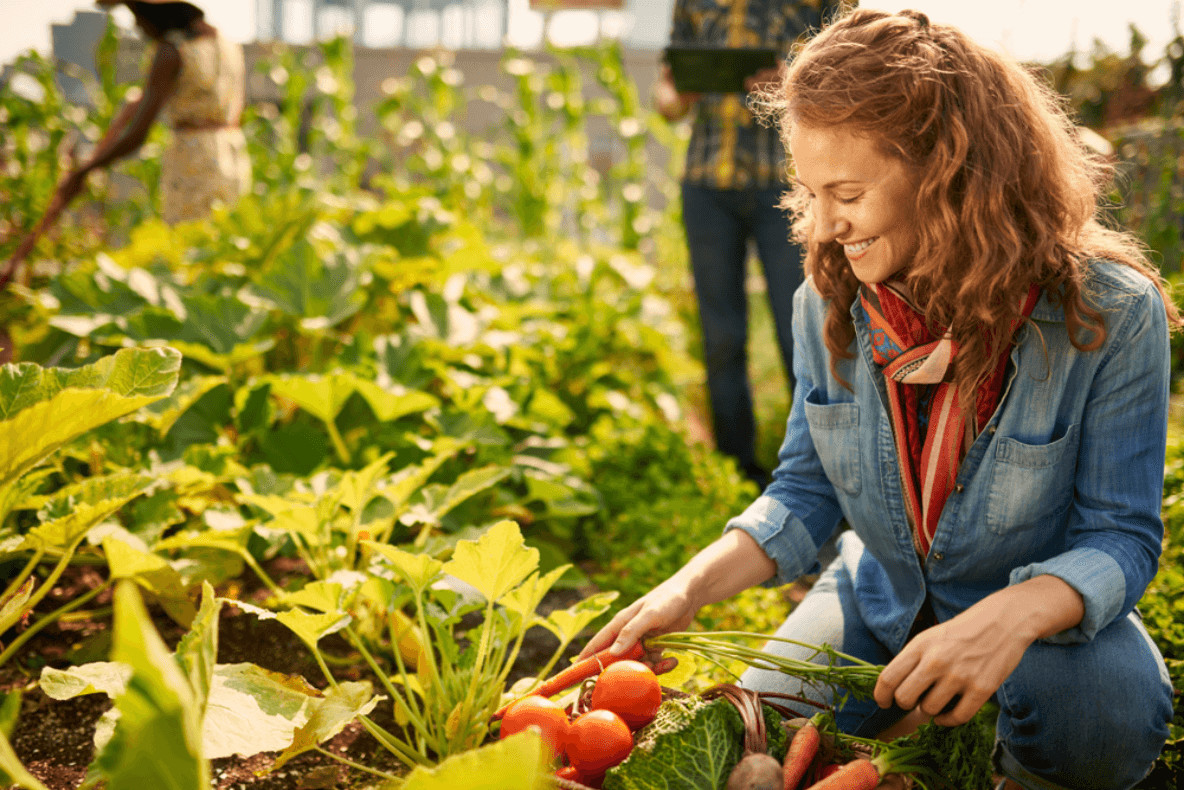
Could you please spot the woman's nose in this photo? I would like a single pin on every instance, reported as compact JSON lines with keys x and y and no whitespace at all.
{"x":828,"y":226}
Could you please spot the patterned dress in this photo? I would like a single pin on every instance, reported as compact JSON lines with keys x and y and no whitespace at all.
{"x":206,"y":162}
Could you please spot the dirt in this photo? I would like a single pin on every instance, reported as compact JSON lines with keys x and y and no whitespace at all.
{"x":54,"y":738}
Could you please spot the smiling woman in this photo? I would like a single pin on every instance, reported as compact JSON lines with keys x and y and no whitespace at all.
{"x":982,"y":395}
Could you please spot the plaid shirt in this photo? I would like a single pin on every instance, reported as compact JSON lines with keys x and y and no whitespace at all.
{"x":729,"y":149}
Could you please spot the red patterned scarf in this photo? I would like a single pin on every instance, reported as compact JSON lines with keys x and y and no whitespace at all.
{"x":932,"y":433}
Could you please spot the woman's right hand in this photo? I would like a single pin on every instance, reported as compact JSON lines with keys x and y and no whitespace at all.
{"x":666,"y":608}
{"x":732,"y":563}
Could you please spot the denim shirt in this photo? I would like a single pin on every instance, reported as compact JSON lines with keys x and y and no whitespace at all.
{"x":1067,"y":478}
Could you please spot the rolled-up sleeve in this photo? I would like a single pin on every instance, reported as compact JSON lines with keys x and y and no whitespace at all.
{"x":1114,"y":534}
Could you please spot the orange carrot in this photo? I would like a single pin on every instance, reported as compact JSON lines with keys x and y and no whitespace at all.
{"x":800,"y":754}
{"x":864,"y":774}
{"x":578,"y":673}
{"x":858,"y":774}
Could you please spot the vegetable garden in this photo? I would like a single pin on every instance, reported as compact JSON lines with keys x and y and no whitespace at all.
{"x":302,"y":495}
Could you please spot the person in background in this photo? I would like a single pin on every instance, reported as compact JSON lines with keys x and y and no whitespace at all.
{"x":731,"y":189}
{"x":983,"y":371}
{"x":196,"y":84}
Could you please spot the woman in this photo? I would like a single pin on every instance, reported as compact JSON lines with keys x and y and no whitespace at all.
{"x":196,"y":84}
{"x":982,"y":387}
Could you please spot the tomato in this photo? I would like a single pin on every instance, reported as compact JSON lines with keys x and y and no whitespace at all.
{"x":598,"y":740}
{"x":629,"y":689}
{"x":537,"y":711}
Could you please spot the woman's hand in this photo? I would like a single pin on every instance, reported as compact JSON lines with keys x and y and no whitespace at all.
{"x":732,"y":563}
{"x":666,"y":608}
{"x":950,"y":670}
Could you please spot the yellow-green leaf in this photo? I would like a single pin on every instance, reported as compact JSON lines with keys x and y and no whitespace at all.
{"x":311,"y":628}
{"x":518,"y":762}
{"x":566,"y":624}
{"x":328,"y":715}
{"x":496,"y":562}
{"x":417,"y":570}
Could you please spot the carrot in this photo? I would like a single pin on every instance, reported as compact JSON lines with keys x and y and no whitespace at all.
{"x":858,"y":774}
{"x":578,"y":673}
{"x":800,"y":754}
{"x":865,"y":774}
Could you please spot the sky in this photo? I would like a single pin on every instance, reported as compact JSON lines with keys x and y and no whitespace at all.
{"x":1033,"y":30}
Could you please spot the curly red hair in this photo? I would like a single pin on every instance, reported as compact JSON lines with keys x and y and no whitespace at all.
{"x":1007,"y":196}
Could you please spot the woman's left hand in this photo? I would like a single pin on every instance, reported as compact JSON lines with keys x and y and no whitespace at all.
{"x":950,"y":670}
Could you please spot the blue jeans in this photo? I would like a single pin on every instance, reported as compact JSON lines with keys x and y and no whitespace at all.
{"x":719,"y":224}
{"x":1087,"y":715}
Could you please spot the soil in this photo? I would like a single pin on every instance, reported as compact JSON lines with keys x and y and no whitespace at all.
{"x":54,"y":738}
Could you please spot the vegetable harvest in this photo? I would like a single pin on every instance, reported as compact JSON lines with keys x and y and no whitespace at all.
{"x":577,"y":673}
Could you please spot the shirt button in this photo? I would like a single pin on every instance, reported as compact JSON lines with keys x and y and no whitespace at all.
{"x":991,"y":429}
{"x":959,"y":488}
{"x":937,"y":555}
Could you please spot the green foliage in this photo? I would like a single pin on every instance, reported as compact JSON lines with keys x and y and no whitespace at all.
{"x":960,"y":755}
{"x":691,"y":745}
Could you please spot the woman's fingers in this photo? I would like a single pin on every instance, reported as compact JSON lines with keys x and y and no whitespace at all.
{"x":897,"y":671}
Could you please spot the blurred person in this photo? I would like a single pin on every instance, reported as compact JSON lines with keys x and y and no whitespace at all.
{"x":196,"y":85}
{"x":983,"y":372}
{"x":731,"y":186}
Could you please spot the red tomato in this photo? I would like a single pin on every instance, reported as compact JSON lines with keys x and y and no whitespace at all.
{"x":629,"y":689}
{"x":542,"y":713}
{"x":598,"y":740}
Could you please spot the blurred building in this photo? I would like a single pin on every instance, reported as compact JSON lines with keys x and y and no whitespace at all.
{"x":452,"y":24}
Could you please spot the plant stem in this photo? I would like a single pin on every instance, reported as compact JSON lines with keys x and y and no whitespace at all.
{"x":396,"y":697}
{"x":357,"y":766}
{"x":258,"y":569}
{"x":42,"y":622}
{"x":16,"y":583}
{"x":396,"y":747}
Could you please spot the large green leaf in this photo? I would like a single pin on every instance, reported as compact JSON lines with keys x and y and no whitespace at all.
{"x":98,"y":677}
{"x":252,"y":710}
{"x":418,"y":570}
{"x":515,"y":763}
{"x":496,"y":562}
{"x":319,"y":292}
{"x":157,"y":740}
{"x":328,"y":715}
{"x":388,"y":405}
{"x":72,"y":513}
{"x":321,"y":396}
{"x":468,"y":485}
{"x":43,"y":408}
{"x":219,"y":330}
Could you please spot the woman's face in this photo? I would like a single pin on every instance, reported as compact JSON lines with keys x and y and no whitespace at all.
{"x":861,"y":198}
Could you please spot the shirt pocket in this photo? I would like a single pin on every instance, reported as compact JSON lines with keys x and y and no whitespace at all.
{"x":1031,"y":484}
{"x":834,"y":429}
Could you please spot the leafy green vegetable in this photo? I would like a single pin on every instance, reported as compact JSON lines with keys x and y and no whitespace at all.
{"x":691,"y":745}
{"x":960,"y":755}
